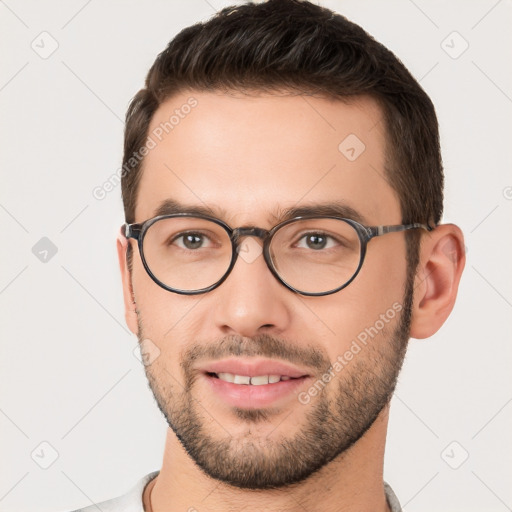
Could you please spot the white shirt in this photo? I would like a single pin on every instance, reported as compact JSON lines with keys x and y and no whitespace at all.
{"x":132,"y":500}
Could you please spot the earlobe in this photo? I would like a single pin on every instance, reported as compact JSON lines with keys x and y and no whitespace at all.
{"x":442,"y":260}
{"x":130,"y":312}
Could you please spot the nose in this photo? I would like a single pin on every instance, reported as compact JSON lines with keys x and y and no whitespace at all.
{"x":251,"y":300}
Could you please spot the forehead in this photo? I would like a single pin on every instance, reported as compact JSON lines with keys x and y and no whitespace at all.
{"x":248,"y":158}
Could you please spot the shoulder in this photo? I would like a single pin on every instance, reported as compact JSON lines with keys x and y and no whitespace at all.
{"x":129,"y":502}
{"x":393,"y":502}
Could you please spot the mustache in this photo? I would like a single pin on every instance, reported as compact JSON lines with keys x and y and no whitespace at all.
{"x":262,"y":345}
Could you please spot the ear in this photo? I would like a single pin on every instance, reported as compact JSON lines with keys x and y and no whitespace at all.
{"x":130,"y":313}
{"x":442,"y":260}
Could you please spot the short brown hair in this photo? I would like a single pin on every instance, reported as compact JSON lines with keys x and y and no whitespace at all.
{"x":301,"y":47}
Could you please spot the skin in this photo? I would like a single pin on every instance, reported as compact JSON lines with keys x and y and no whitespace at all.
{"x":252,"y":155}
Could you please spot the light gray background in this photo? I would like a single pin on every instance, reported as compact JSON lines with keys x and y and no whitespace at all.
{"x":69,"y":376}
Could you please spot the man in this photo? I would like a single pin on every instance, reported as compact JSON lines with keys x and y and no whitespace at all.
{"x":282,"y":186}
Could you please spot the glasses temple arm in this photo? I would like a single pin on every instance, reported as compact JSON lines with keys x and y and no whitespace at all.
{"x":131,"y":230}
{"x":382,"y":230}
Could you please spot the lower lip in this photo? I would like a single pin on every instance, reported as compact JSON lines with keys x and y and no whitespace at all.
{"x":248,"y":396}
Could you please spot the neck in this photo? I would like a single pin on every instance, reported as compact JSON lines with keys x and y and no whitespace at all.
{"x":351,"y":482}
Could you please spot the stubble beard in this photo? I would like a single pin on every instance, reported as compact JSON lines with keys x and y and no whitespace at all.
{"x":332,"y":422}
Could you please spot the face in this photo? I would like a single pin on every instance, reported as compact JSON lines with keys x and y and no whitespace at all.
{"x":247,"y":159}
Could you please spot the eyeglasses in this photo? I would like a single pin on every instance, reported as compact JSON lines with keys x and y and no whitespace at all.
{"x":191,"y":254}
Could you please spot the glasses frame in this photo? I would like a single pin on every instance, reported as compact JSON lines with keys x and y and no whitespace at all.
{"x":138,"y":231}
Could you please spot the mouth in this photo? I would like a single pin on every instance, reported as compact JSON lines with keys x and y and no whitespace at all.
{"x":251,"y":384}
{"x":256,"y":380}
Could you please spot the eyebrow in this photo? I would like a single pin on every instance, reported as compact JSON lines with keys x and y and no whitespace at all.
{"x":331,"y":208}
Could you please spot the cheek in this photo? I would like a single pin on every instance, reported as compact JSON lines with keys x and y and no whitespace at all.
{"x":374,"y":297}
{"x":166,"y":317}
{"x":383,"y":276}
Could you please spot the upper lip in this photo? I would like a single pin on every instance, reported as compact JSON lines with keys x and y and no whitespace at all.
{"x":253,"y":368}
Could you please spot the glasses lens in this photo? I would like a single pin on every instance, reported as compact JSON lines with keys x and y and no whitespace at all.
{"x":187,"y":253}
{"x":316,"y":255}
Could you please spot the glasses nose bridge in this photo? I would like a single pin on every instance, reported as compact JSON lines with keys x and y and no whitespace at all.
{"x":239,"y":233}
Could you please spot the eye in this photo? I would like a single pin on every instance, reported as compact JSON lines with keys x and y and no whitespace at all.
{"x":191,"y":240}
{"x":316,"y":241}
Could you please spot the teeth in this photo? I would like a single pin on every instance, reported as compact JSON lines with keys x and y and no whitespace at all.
{"x":228,"y":377}
{"x":242,"y":379}
{"x":258,"y":380}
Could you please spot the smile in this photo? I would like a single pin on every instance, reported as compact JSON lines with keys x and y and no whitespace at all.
{"x":257,"y":380}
